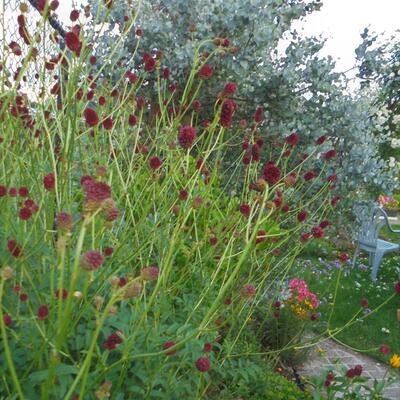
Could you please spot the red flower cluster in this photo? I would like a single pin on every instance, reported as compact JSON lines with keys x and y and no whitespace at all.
{"x":96,"y":193}
{"x":320,"y":140}
{"x":245,"y":210}
{"x":229,"y":89}
{"x":91,"y":260}
{"x":317,"y":232}
{"x":91,"y":117}
{"x":271,"y":173}
{"x":206,"y":71}
{"x":155,"y":162}
{"x":292,"y":139}
{"x":43,"y":312}
{"x":22,"y":30}
{"x":302,"y":216}
{"x":203,"y":364}
{"x":168,"y":345}
{"x":308,"y":176}
{"x":228,"y":108}
{"x":330,"y":154}
{"x":113,"y":341}
{"x":259,"y":115}
{"x":353,"y":372}
{"x":64,"y":221}
{"x":73,"y":42}
{"x":149,"y":62}
{"x":49,"y":181}
{"x":187,"y":136}
{"x":13,"y":248}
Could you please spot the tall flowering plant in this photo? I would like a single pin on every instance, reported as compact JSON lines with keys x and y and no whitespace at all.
{"x":129,"y":266}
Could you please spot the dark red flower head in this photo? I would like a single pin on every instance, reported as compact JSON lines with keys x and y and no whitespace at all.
{"x":230,"y":88}
{"x":364,"y":302}
{"x":308,"y":176}
{"x":228,"y":108}
{"x":91,"y":260}
{"x":7,"y":320}
{"x":112,"y":341}
{"x":155,"y":162}
{"x":317,"y":232}
{"x":64,"y":294}
{"x":206,"y":71}
{"x":72,"y":41}
{"x":187,"y":136}
{"x":96,"y":191}
{"x":301,"y":216}
{"x":384,"y":349}
{"x":245,"y":210}
{"x":320,"y":140}
{"x":259,"y":115}
{"x":271,"y":173}
{"x":292,"y":139}
{"x":49,"y":181}
{"x":108,"y":123}
{"x":203,"y":364}
{"x":13,"y":248}
{"x":74,"y":15}
{"x":168,"y":345}
{"x":397,"y":287}
{"x":43,"y":312}
{"x":91,"y":117}
{"x":64,"y":221}
{"x":25,"y":213}
{"x":330,"y":154}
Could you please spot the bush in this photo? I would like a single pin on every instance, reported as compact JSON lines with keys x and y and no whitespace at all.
{"x":130,"y":268}
{"x":267,"y":386}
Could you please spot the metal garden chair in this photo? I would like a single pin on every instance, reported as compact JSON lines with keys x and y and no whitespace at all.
{"x":368,"y":240}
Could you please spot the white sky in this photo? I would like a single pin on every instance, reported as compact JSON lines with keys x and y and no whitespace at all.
{"x":342,"y":21}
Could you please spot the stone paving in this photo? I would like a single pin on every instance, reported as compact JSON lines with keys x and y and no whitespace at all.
{"x":328,"y":353}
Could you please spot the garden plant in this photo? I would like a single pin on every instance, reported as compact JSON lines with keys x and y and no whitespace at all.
{"x":135,"y":253}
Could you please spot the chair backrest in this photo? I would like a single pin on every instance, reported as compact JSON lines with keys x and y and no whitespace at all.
{"x":371,"y":221}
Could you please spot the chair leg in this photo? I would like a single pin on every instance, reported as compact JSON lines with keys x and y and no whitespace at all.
{"x":356,"y":252}
{"x":377,"y":262}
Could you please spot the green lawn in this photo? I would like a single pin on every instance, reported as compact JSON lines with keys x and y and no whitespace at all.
{"x":370,"y":330}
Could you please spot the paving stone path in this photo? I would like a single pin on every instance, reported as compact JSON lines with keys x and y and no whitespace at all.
{"x":328,"y":353}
